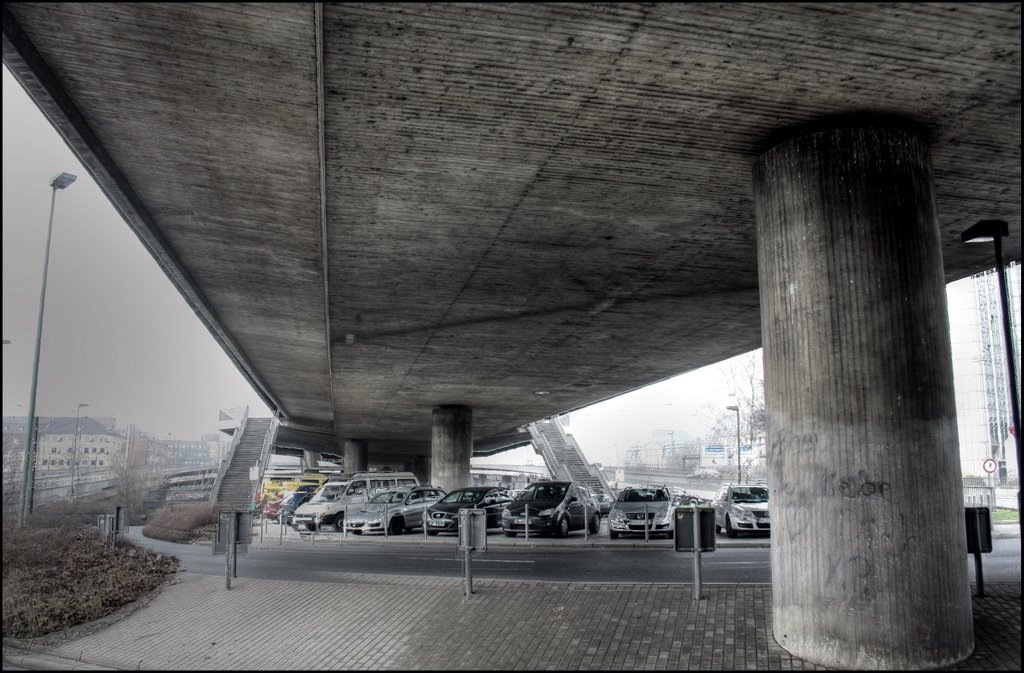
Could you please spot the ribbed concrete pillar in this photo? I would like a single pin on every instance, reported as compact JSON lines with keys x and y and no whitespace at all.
{"x":451,"y":446}
{"x":355,"y":455}
{"x":869,"y":562}
{"x":421,"y":468}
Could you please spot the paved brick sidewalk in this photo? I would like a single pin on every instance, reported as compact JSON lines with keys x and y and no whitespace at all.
{"x":384,"y":622}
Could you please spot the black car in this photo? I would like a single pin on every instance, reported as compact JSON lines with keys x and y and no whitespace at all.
{"x":443,"y":515}
{"x":605,"y":502}
{"x":292,"y":503}
{"x":555,"y":507}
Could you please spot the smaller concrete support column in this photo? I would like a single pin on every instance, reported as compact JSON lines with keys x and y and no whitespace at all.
{"x":421,"y":468}
{"x":355,"y":455}
{"x":451,"y":446}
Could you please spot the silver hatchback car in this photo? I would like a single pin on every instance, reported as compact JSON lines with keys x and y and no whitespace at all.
{"x":401,"y":509}
{"x":740,"y":508}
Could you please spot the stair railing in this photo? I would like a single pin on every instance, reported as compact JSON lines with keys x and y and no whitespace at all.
{"x":266,"y":451}
{"x":225,"y":462}
{"x":540,"y":442}
{"x":593,"y":469}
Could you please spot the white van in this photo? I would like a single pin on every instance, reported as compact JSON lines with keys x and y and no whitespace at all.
{"x":336,"y":499}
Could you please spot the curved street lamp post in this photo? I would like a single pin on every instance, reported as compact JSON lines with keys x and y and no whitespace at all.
{"x":61,"y":181}
{"x":739,"y":460}
{"x":983,"y":232}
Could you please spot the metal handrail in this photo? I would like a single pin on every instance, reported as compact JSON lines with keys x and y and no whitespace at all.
{"x":555,"y":467}
{"x":225,"y":462}
{"x":266,"y":452}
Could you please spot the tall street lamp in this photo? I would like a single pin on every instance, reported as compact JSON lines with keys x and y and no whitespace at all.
{"x":739,"y":461}
{"x":61,"y":181}
{"x":74,"y":449}
{"x":983,"y":232}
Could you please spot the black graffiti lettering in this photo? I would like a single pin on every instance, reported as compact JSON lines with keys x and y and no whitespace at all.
{"x":854,"y":487}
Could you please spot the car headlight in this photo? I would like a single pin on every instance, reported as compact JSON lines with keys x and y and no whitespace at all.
{"x":617,"y":515}
{"x":505,"y":512}
{"x":546,"y":512}
{"x":664,"y":514}
{"x":373,"y":522}
{"x":741,"y":513}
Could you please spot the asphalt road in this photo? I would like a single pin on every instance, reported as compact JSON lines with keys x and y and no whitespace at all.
{"x":313,"y":564}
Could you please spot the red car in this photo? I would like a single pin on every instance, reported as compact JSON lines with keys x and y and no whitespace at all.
{"x":271,"y":509}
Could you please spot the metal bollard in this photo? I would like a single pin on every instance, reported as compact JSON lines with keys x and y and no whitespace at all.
{"x":586,"y":523}
{"x":526,"y":526}
{"x":424,"y":517}
{"x":384,"y":522}
{"x":647,"y":525}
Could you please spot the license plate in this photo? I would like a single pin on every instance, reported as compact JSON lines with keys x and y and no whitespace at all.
{"x":301,"y":526}
{"x":520,"y":522}
{"x":436,"y":524}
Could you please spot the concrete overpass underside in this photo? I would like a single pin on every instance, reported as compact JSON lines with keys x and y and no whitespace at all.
{"x":419,"y":226}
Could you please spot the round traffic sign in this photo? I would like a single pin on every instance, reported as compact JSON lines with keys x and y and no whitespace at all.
{"x":989,"y":465}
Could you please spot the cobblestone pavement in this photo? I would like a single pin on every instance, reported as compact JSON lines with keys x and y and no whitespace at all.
{"x":414,"y":623}
{"x":365,"y":621}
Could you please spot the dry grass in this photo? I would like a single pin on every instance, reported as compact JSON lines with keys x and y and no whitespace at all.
{"x":182,"y":523}
{"x":57,"y":573}
{"x":61,"y":576}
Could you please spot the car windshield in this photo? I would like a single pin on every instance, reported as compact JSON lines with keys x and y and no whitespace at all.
{"x":464,"y":496}
{"x":329,"y":494}
{"x":544,"y":492}
{"x":387,"y":497}
{"x":644,"y":495}
{"x":749,"y":494}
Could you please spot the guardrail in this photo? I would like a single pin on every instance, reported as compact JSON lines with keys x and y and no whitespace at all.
{"x":555,"y":467}
{"x":225,"y":462}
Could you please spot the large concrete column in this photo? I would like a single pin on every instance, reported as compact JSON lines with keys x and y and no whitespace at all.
{"x":451,"y":446}
{"x":868,"y":552}
{"x":355,"y":455}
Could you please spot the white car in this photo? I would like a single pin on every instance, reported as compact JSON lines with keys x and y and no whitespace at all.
{"x":641,"y":510}
{"x":741,"y":507}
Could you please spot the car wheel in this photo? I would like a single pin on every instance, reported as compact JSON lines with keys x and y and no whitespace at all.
{"x":339,"y":523}
{"x":595,"y":525}
{"x":613,"y":535}
{"x":729,"y":530}
{"x":395,"y":527}
{"x":563,"y":527}
{"x":509,"y":533}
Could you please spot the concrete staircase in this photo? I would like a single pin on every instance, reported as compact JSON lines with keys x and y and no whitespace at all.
{"x":566,"y":453}
{"x":235,"y":490}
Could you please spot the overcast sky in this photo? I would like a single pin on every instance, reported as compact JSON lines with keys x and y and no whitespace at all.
{"x":116,"y":334}
{"x":118,"y":337}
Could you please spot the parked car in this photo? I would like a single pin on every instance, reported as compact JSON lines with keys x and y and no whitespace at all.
{"x":443,"y":516}
{"x":403,"y":507}
{"x":556,"y":507}
{"x":318,"y":506}
{"x":741,"y":508}
{"x":705,"y":473}
{"x":358,"y":488}
{"x":292,"y":503}
{"x":604,"y":501}
{"x":642,"y":510}
{"x":682,"y":498}
{"x":271,"y":508}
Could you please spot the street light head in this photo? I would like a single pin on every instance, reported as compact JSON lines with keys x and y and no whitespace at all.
{"x":82,"y":405}
{"x":63,"y":180}
{"x":985,"y":231}
{"x":732,"y":407}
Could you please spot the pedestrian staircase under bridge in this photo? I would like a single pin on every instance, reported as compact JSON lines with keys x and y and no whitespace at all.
{"x":563,"y":457}
{"x":242,"y":467}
